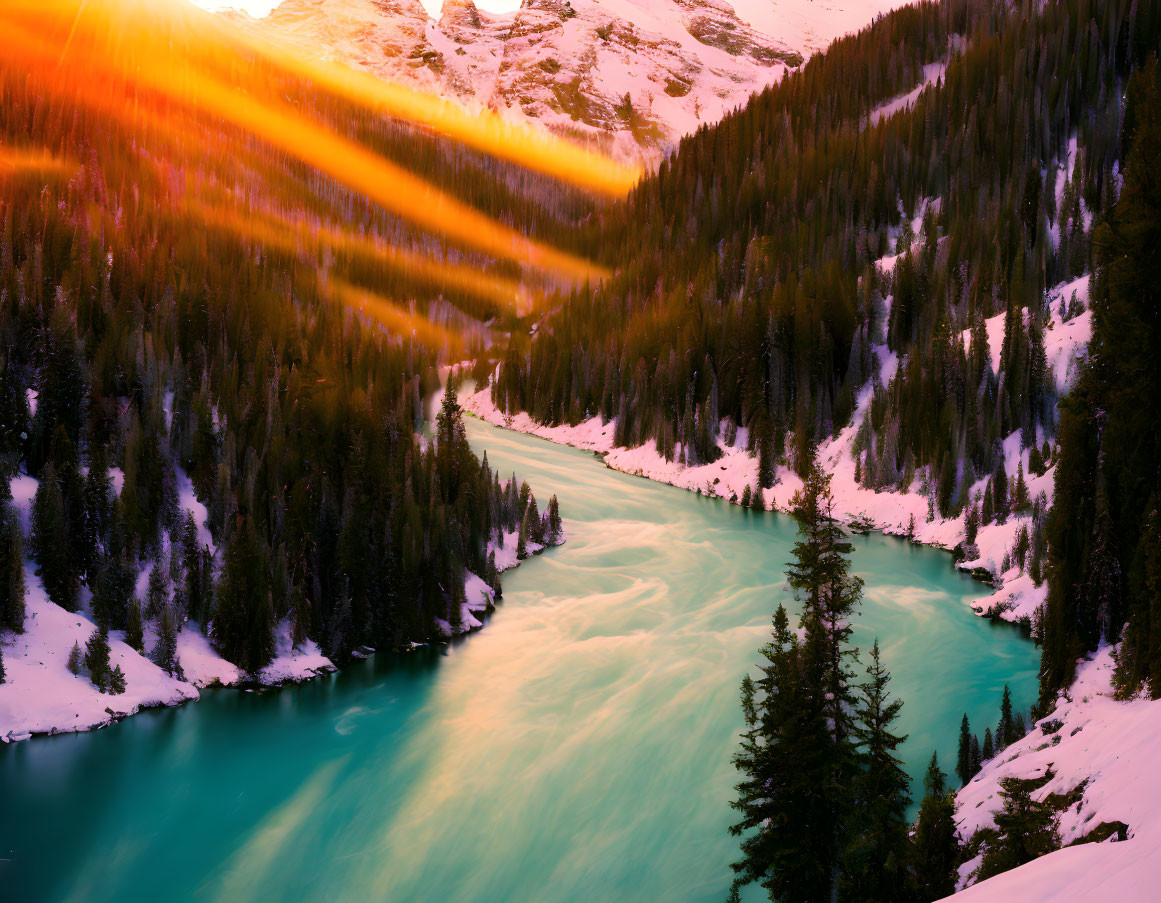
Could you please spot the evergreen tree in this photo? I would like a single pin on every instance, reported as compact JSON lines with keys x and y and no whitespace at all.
{"x":76,"y":659}
{"x":522,"y":538}
{"x":134,"y":632}
{"x":936,"y":846}
{"x":988,"y":750}
{"x":97,"y":659}
{"x":113,"y":592}
{"x":1025,"y":830}
{"x":157,"y":594}
{"x":787,"y":794}
{"x":11,"y":569}
{"x":555,"y":527}
{"x":116,"y":681}
{"x":876,"y":862}
{"x":165,"y":650}
{"x":243,"y":623}
{"x":51,"y":542}
{"x":1006,"y":730}
{"x":963,"y":767}
{"x":820,"y":574}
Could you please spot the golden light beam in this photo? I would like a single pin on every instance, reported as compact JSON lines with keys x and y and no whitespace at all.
{"x":485,"y":131}
{"x":30,"y":159}
{"x":395,"y":318}
{"x":391,"y":186}
{"x":292,"y":235}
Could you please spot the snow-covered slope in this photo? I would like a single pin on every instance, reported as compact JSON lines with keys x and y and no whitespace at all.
{"x":1110,"y":750}
{"x":630,"y":76}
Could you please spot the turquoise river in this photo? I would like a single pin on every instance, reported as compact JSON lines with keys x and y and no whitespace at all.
{"x":576,"y":749}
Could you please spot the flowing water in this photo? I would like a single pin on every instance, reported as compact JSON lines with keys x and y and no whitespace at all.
{"x":577,"y":749}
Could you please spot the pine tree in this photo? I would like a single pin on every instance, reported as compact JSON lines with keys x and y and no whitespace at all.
{"x":746,"y":497}
{"x":1006,"y":730}
{"x":51,"y":542}
{"x":113,"y":591}
{"x":76,"y":659}
{"x":877,"y":855}
{"x":976,"y":756}
{"x":988,"y":750}
{"x":11,"y":569}
{"x":97,"y":659}
{"x":522,"y":538}
{"x":820,"y":573}
{"x":935,"y":845}
{"x":1025,"y":830}
{"x":555,"y":527}
{"x":157,"y":594}
{"x":788,"y":826}
{"x":134,"y":632}
{"x":963,"y":767}
{"x":164,"y":653}
{"x":243,"y":623}
{"x":764,"y":437}
{"x":1020,"y":501}
{"x":116,"y":681}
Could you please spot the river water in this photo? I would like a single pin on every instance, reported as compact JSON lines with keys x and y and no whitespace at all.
{"x":577,"y":749}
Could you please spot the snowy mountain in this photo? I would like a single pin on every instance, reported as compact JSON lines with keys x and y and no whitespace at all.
{"x":632,"y":76}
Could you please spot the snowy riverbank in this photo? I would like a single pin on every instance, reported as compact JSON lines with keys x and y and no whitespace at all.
{"x":891,"y":512}
{"x":1096,"y":757}
{"x":40,"y":695}
{"x":1014,"y":595}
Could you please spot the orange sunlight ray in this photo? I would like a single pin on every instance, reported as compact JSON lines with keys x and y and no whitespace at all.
{"x":391,"y":186}
{"x":20,"y":160}
{"x":397,"y":320}
{"x":485,"y":131}
{"x":292,"y":234}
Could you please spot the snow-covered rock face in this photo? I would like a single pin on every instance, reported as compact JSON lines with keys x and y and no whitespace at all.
{"x":631,"y":76}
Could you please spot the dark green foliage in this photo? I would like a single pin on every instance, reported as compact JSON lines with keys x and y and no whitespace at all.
{"x":163,"y":350}
{"x":113,"y":592}
{"x":936,"y":846}
{"x":1025,"y":829}
{"x":243,"y":624}
{"x":3,"y":676}
{"x":11,"y":569}
{"x":51,"y":542}
{"x":988,"y":749}
{"x":554,"y":530}
{"x":76,"y":659}
{"x":1006,"y":729}
{"x":97,"y":659}
{"x":157,"y":592}
{"x":820,"y":575}
{"x":820,"y":796}
{"x":789,"y":790}
{"x":116,"y":681}
{"x":877,"y":855}
{"x":164,"y":653}
{"x":746,"y":284}
{"x":134,"y":632}
{"x":1101,"y":534}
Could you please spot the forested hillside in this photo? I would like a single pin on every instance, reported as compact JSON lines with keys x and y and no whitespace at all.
{"x":896,"y":239}
{"x":780,"y":259}
{"x":205,"y":379}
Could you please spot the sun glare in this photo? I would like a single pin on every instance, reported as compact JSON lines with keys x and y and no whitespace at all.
{"x":257,"y":8}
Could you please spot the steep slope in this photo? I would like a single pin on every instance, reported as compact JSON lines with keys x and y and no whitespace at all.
{"x":630,"y":75}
